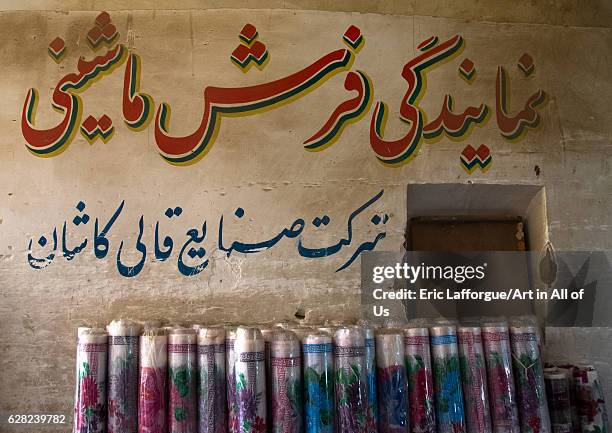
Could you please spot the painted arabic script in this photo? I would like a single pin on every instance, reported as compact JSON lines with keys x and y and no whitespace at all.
{"x":138,"y":108}
{"x":192,"y":257}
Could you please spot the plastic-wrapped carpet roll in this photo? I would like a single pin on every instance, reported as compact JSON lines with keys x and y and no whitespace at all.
{"x":420,"y":380}
{"x":123,"y":342}
{"x":230,"y":384}
{"x":351,"y":381}
{"x":392,"y":382}
{"x":502,"y":394}
{"x":212,"y":406}
{"x":286,"y":391}
{"x":182,"y":380}
{"x":474,"y":380}
{"x":250,"y":380}
{"x":152,"y":391}
{"x":77,"y":383}
{"x":329,"y":329}
{"x":301,"y":331}
{"x":318,"y":382}
{"x":557,"y":386}
{"x":569,"y":370}
{"x":590,"y":398}
{"x":90,"y":405}
{"x":370,"y":364}
{"x":267,"y":334}
{"x":529,"y":380}
{"x":450,"y":413}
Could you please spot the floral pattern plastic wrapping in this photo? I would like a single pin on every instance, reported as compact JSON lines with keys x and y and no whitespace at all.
{"x":267,"y":334}
{"x":286,"y":381}
{"x":318,"y":383}
{"x":322,"y":385}
{"x":529,"y":380}
{"x":502,"y":396}
{"x":370,"y":366}
{"x":557,"y":387}
{"x":392,"y":382}
{"x":569,"y":370}
{"x":590,"y":400}
{"x":230,"y":383}
{"x":123,"y":341}
{"x":420,"y":380}
{"x":152,"y":400}
{"x":182,"y":372}
{"x":450,"y":412}
{"x":474,"y":380}
{"x":250,"y":381}
{"x":90,"y":394}
{"x":211,"y":381}
{"x":351,"y":382}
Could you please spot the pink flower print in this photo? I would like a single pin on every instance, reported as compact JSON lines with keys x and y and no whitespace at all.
{"x":89,"y":391}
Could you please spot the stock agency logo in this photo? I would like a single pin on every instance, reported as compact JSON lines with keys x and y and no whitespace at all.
{"x":559,"y":287}
{"x":458,"y":274}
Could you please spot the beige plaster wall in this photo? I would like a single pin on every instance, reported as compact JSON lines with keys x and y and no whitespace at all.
{"x":258,"y":162}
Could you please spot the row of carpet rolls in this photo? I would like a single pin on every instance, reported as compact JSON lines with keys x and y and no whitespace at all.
{"x":145,"y":378}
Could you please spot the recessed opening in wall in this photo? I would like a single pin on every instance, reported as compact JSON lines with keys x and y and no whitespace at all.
{"x":467,"y":233}
{"x":478,"y":217}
